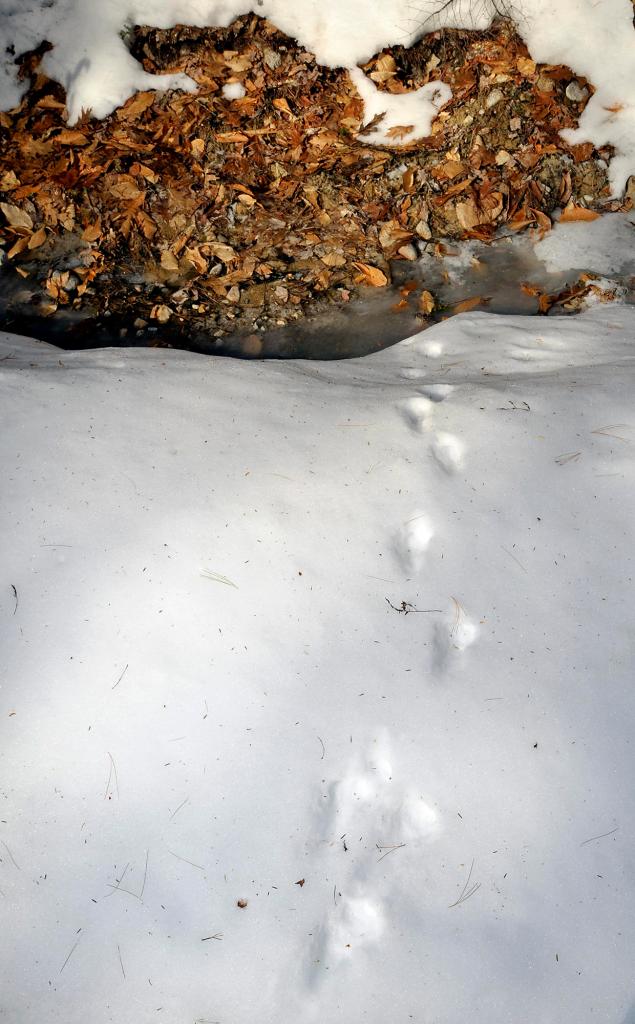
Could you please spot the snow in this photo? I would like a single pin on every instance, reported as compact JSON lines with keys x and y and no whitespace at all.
{"x":90,"y":58}
{"x":605,"y":245}
{"x":212,"y":693}
{"x":409,"y":114}
{"x":233,"y":91}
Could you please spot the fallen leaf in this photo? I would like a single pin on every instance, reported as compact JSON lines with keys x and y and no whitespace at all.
{"x":71,"y":137}
{"x":17,"y":218}
{"x":526,"y":66}
{"x":161,"y":313}
{"x":37,"y":239}
{"x":169,"y":260}
{"x":371,"y":275}
{"x":399,"y":131}
{"x":426,"y":303}
{"x":136,"y":106}
{"x":334,"y":259}
{"x":468,"y":304}
{"x":92,"y":232}
{"x":577,"y":213}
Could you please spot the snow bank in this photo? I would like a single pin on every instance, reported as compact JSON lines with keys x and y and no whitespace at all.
{"x":92,"y":62}
{"x":212,"y":692}
{"x":605,"y":245}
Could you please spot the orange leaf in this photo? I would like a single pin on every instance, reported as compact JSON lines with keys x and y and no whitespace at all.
{"x":136,"y":106}
{"x":71,"y":137}
{"x":468,"y":304}
{"x":573,"y":213}
{"x":37,"y":239}
{"x":371,"y":275}
{"x":426,"y":303}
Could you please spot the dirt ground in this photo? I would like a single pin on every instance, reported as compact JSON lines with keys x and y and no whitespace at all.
{"x":186,"y":212}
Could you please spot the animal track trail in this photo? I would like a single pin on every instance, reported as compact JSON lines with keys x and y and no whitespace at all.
{"x":452,"y":635}
{"x":417,"y":412}
{"x":368,"y":813}
{"x":412,"y":542}
{"x":437,"y":392}
{"x":448,"y":451}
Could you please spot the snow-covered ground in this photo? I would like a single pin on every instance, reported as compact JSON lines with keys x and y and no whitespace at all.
{"x":211,"y":694}
{"x":90,"y":58}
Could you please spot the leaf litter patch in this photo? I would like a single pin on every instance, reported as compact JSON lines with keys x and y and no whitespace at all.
{"x":221,"y":218}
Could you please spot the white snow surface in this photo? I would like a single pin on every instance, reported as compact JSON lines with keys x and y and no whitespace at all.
{"x":207,"y":696}
{"x":91,"y":60}
{"x":605,"y":245}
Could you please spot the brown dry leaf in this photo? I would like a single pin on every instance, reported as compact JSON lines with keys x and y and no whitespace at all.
{"x":198,"y":148}
{"x":526,"y":66}
{"x":544,"y":222}
{"x":37,"y":239}
{"x":426,"y":303}
{"x":71,"y":137}
{"x":194,"y":256}
{"x":281,"y":104}
{"x":169,"y":260}
{"x":92,"y":232}
{"x":231,"y":137}
{"x":20,"y":246}
{"x":399,"y":131}
{"x":392,"y":236}
{"x":467,"y":214}
{"x":371,"y":275}
{"x":223,"y":252}
{"x":146,"y":224}
{"x":468,"y":304}
{"x":334,"y":259}
{"x":145,"y":172}
{"x":242,"y":903}
{"x":19,"y":219}
{"x":237,"y":62}
{"x":573,"y":213}
{"x":385,"y":68}
{"x":161,"y":313}
{"x":9,"y":181}
{"x":125,"y":187}
{"x":136,"y":106}
{"x":452,"y":168}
